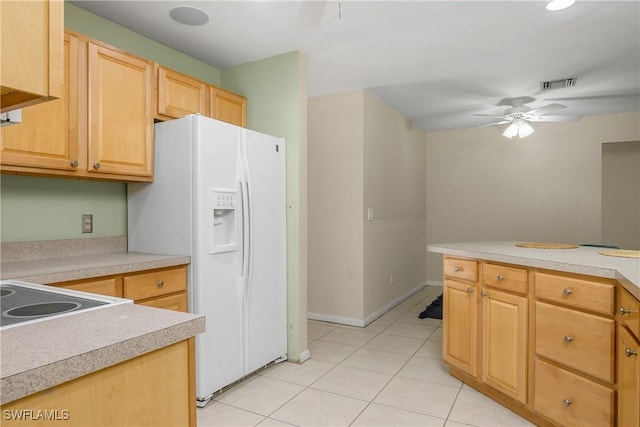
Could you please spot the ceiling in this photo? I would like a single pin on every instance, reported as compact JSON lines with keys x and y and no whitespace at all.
{"x":436,"y":62}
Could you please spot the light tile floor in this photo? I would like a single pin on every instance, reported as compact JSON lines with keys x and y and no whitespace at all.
{"x":390,"y":373}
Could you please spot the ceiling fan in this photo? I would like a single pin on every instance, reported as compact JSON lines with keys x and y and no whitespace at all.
{"x":519,"y":116}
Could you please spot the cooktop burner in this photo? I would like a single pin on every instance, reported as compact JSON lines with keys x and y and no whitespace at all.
{"x":22,"y":302}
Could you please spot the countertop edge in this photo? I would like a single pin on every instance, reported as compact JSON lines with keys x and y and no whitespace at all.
{"x":74,"y":272}
{"x":558,"y":265}
{"x":35,"y":380}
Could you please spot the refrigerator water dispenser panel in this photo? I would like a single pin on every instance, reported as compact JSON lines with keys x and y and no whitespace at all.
{"x":223,"y":221}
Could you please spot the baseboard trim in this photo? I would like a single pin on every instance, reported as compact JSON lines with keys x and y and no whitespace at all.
{"x":336,"y":319}
{"x":389,"y":306}
{"x":304,"y":356}
{"x":362,"y":323}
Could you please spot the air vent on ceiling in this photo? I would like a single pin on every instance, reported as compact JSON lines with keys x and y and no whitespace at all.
{"x":558,"y":84}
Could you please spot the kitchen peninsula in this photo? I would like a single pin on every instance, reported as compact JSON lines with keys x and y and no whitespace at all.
{"x":553,"y":334}
{"x":128,"y":364}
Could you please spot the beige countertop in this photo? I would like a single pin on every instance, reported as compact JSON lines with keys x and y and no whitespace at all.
{"x":40,"y":355}
{"x":65,"y":268}
{"x":582,"y":260}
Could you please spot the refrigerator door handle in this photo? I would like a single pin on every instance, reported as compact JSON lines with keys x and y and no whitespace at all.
{"x":246,"y":229}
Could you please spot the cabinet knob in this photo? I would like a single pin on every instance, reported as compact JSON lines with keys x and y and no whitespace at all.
{"x":160,"y":283}
{"x":500,"y":277}
{"x":457,"y":268}
{"x":568,"y":339}
{"x":567,"y":291}
{"x":483,"y":293}
{"x":624,"y":311}
{"x":628,"y":352}
{"x":96,"y":165}
{"x":567,"y":402}
{"x":469,"y":290}
{"x":74,"y":163}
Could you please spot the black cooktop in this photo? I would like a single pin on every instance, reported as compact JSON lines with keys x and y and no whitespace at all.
{"x":20,"y":304}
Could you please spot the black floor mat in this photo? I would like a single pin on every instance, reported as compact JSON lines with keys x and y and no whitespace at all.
{"x":433,"y":310}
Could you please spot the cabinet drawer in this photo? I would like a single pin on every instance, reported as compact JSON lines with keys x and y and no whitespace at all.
{"x":461,"y":268}
{"x":155,"y":283}
{"x":579,"y":340}
{"x":503,"y":277}
{"x":111,"y":287}
{"x":176,"y":302}
{"x":571,"y":400}
{"x":629,"y":310}
{"x":575,"y":291}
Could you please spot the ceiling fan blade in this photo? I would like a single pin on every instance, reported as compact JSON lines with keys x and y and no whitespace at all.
{"x":310,"y":13}
{"x":553,"y":118}
{"x":496,"y":123}
{"x":490,"y":115}
{"x":547,"y":109}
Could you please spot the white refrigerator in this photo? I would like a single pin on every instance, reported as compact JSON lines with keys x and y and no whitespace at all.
{"x":219,"y":196}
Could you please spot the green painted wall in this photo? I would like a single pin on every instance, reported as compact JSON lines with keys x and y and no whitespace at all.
{"x":33,"y":208}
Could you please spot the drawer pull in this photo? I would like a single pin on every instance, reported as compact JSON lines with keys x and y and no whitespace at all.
{"x":160,"y":283}
{"x":624,"y":311}
{"x":568,"y":339}
{"x":566,"y":402}
{"x":567,"y":291}
{"x":469,"y":290}
{"x":628,"y":352}
{"x":500,"y":277}
{"x":457,"y":268}
{"x":74,"y":163}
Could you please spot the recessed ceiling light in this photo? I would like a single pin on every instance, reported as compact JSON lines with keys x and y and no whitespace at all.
{"x":559,"y":4}
{"x":188,"y":15}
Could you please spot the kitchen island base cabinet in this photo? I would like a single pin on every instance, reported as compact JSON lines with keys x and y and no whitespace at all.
{"x":155,"y":389}
{"x":460,"y":332}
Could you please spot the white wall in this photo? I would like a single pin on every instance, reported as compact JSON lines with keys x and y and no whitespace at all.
{"x":335,"y":221}
{"x":621,"y":194}
{"x":546,"y":187}
{"x":395,"y":187}
{"x":363,"y":154}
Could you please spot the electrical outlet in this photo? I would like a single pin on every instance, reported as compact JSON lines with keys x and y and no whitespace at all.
{"x":87,"y":223}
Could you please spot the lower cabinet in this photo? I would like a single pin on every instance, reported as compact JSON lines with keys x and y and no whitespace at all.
{"x":486,"y":329}
{"x":460,"y":331}
{"x":560,"y":349}
{"x":154,"y":389}
{"x":504,"y":343}
{"x":628,"y":360}
{"x":161,"y":288}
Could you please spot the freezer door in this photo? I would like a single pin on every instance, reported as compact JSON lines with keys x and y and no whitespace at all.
{"x":217,"y":291}
{"x":266,"y":297}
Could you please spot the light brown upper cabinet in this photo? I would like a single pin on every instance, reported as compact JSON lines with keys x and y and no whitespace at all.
{"x":102,"y":126}
{"x":227,"y":107}
{"x":47,"y":138}
{"x":179,"y":94}
{"x":31,"y":69}
{"x":120,"y":128}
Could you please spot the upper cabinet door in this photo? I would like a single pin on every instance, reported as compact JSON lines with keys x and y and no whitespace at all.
{"x":227,"y":107}
{"x":120,"y":113}
{"x":47,"y":138}
{"x":32,"y":51}
{"x":179,"y":95}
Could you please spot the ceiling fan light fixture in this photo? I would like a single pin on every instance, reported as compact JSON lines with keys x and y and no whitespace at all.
{"x":519,"y":128}
{"x":554,"y":5}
